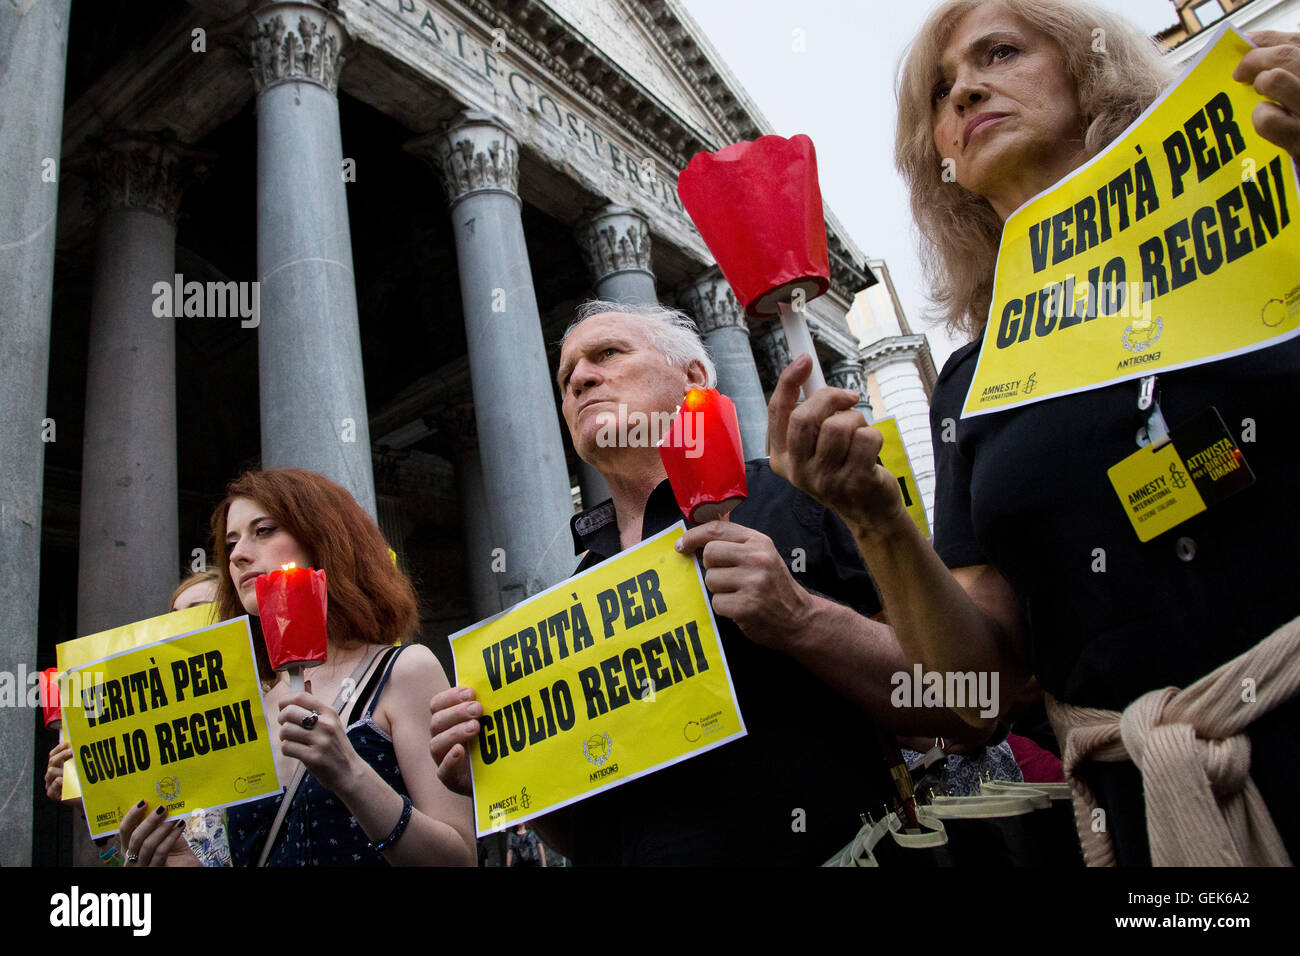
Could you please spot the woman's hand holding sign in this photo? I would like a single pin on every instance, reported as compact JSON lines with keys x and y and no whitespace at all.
{"x":1273,"y":69}
{"x":54,"y":771}
{"x":826,"y":449}
{"x":150,"y":839}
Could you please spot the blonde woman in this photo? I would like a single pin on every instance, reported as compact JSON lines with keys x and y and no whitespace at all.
{"x":1015,"y":95}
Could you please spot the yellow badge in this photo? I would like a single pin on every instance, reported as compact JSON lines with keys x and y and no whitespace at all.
{"x":1156,"y":490}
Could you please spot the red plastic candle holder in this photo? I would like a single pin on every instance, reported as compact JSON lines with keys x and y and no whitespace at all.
{"x":291,"y":604}
{"x":50,"y":707}
{"x":702,"y":455}
{"x":758,"y":208}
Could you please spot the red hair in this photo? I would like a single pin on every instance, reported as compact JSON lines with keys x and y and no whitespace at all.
{"x":370,"y":600}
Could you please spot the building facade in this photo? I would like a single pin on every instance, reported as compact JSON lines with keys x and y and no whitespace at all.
{"x":343,"y":236}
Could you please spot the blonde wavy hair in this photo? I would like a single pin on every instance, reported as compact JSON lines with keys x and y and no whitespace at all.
{"x":959,"y":231}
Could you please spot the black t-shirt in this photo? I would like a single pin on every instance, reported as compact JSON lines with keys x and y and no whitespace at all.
{"x":1026,"y":491}
{"x":789,"y":792}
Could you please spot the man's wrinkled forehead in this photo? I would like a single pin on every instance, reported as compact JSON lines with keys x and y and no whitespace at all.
{"x":614,"y":328}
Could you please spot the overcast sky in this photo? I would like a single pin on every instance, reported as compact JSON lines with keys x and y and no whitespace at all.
{"x":839,"y":91}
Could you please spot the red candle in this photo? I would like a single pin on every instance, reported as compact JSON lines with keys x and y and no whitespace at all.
{"x":291,"y":603}
{"x":702,"y":455}
{"x":50,"y":698}
{"x":758,"y":207}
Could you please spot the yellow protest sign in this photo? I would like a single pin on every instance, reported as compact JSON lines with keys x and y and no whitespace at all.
{"x":178,"y":722}
{"x":608,"y":676}
{"x":93,"y":647}
{"x":893,"y":458}
{"x":1173,"y":247}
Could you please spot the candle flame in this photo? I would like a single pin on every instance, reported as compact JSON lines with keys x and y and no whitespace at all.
{"x":286,"y":567}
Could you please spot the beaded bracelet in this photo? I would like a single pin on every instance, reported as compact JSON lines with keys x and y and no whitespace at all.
{"x":398,"y":830}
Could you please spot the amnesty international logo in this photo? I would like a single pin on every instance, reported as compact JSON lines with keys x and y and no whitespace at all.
{"x":1177,"y":476}
{"x":597,"y":749}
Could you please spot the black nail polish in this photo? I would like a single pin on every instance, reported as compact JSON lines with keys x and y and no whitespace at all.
{"x":139,"y":805}
{"x":161,"y":810}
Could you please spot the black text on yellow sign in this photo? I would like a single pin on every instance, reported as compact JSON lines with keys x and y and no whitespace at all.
{"x":609,"y":675}
{"x":1174,"y":246}
{"x":191,"y":735}
{"x":178,"y":722}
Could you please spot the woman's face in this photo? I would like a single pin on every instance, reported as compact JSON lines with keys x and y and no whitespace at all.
{"x":205,"y":592}
{"x":1005,"y":111}
{"x":256,"y":546}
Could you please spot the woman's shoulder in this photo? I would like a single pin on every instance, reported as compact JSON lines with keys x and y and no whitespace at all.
{"x":416,"y":668}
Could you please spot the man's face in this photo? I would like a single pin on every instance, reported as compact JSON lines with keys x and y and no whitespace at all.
{"x":609,"y":368}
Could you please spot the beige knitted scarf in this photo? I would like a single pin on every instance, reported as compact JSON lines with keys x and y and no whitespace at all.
{"x":1202,"y":807}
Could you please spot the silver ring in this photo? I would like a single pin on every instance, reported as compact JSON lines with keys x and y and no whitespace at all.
{"x":309,"y":721}
{"x":130,"y":858}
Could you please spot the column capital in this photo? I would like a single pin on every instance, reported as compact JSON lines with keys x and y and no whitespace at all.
{"x":614,"y":239}
{"x":145,"y":171}
{"x":297,"y":41}
{"x":845,"y":374}
{"x":475,"y":152}
{"x":772,"y":353}
{"x":710,"y":300}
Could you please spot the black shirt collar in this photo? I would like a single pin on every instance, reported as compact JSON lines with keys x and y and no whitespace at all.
{"x":596,"y":529}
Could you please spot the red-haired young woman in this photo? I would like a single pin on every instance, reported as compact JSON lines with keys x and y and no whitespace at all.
{"x":370,"y":793}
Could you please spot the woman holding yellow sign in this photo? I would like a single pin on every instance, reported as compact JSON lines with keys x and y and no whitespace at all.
{"x":362,"y":788}
{"x":1043,"y":563}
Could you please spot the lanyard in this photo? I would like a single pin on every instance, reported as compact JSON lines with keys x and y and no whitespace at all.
{"x":1156,"y":431}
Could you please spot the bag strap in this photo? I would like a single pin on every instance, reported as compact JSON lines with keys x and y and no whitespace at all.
{"x":349,"y":685}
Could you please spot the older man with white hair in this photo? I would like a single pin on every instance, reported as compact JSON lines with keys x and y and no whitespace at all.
{"x":810,"y":668}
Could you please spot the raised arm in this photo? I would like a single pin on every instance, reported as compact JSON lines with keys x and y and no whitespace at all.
{"x":947,"y":621}
{"x":854,"y":655}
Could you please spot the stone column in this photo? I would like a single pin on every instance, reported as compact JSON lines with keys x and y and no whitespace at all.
{"x":848,"y":374}
{"x":726,"y":334}
{"x":313,"y":398}
{"x":525,"y":477}
{"x":33,"y":60}
{"x":476,"y":520}
{"x":129,"y":557}
{"x":615,"y":244}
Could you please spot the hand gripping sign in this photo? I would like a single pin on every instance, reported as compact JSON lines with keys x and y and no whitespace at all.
{"x":606,"y":677}
{"x":1177,"y":245}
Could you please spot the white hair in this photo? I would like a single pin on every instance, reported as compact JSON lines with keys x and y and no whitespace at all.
{"x":671,"y":331}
